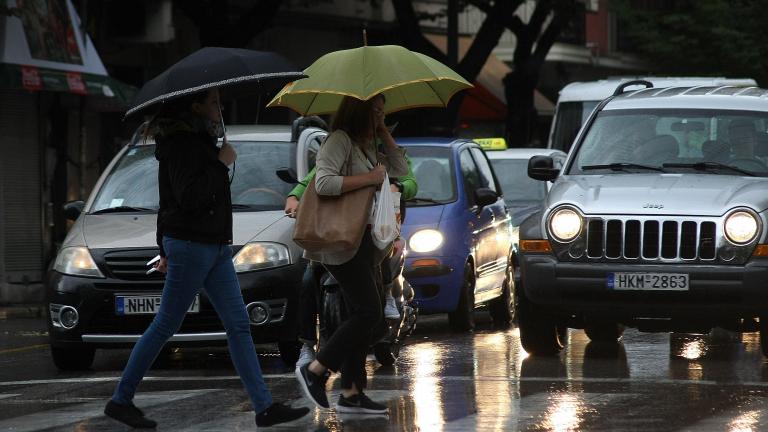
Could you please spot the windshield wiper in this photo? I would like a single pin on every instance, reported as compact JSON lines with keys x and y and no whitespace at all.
{"x":241,"y":206}
{"x":704,"y":166}
{"x":622,"y":166}
{"x":429,"y":200}
{"x":122,"y":209}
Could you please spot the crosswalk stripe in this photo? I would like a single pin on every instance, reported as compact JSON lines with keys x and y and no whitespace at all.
{"x":79,"y":412}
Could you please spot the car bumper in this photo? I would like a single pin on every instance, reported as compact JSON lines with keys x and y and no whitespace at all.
{"x":99,"y":325}
{"x":715,"y":291}
{"x":436,"y":287}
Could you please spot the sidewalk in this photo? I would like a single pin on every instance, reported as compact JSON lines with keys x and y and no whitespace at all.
{"x":21,"y":311}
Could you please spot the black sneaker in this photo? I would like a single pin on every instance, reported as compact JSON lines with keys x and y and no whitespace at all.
{"x":129,"y":415}
{"x":359,"y":404}
{"x":313,"y":386}
{"x":279,"y":413}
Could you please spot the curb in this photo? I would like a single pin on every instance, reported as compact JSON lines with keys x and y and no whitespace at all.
{"x":28,"y":311}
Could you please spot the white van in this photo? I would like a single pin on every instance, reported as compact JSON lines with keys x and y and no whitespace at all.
{"x":578,"y":99}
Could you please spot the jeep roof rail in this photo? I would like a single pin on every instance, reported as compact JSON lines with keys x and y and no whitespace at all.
{"x":620,"y":89}
{"x":302,"y":123}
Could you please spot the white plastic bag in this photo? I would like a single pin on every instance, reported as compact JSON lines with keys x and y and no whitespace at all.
{"x":384,"y":228}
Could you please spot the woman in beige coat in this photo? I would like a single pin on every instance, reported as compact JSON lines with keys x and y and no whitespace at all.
{"x":347,"y":161}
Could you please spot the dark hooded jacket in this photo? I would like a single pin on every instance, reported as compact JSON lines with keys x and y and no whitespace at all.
{"x":195,"y":201}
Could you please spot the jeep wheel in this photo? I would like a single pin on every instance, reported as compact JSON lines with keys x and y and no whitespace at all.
{"x":73,"y":359}
{"x":604,"y":331}
{"x":502,"y":308}
{"x":289,"y":352}
{"x":540,"y":334}
{"x":463,"y":318}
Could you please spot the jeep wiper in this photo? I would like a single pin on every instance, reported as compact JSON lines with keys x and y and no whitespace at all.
{"x":241,"y":206}
{"x":622,"y":166}
{"x":122,"y":209}
{"x":429,"y":200}
{"x":705,"y":166}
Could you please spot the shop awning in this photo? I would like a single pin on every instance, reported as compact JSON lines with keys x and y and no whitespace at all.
{"x":486,"y":101}
{"x":44,"y":49}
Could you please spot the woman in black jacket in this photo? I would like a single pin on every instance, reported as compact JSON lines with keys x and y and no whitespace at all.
{"x":194,"y":233}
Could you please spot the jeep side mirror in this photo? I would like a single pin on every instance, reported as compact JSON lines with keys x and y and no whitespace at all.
{"x":287,"y":175}
{"x":73,"y":209}
{"x":485,"y":197}
{"x":542,"y":168}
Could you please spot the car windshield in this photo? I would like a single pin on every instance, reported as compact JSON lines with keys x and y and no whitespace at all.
{"x":675,"y":141}
{"x":519,"y":189}
{"x":433,"y":169}
{"x":132,"y":183}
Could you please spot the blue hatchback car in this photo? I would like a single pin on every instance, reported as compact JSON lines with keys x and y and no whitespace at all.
{"x":458,"y":232}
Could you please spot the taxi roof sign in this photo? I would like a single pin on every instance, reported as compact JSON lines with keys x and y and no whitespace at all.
{"x":492,"y":143}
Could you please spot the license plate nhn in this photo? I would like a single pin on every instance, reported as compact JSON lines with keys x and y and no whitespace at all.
{"x":648,"y":281}
{"x":146,"y":305}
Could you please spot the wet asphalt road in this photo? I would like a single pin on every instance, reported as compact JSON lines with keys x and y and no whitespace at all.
{"x":442,"y":382}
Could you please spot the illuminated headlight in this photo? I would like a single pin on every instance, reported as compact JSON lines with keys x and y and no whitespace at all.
{"x":740,"y":227}
{"x":565,"y":224}
{"x":76,"y":261}
{"x":259,"y":256}
{"x":426,"y":240}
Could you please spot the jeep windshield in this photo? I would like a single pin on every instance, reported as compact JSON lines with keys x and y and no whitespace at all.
{"x":707,"y":141}
{"x":132,"y":184}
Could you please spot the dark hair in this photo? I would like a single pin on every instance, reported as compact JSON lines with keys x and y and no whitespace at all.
{"x":354,"y":117}
{"x":173,"y":109}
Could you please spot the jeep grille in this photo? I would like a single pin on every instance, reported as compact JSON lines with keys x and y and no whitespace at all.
{"x":651,"y":240}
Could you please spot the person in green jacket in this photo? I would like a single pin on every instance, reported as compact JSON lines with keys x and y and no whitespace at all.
{"x":308,"y":295}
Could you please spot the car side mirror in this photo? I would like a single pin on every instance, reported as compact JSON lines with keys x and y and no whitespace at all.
{"x":287,"y":175}
{"x":542,"y":168}
{"x":485,"y":197}
{"x":73,"y":209}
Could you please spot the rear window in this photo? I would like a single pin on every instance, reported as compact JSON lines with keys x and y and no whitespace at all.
{"x":433,"y":169}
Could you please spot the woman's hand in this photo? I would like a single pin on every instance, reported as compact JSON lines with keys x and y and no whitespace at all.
{"x":376,"y":175}
{"x":162,"y":265}
{"x":227,"y":154}
{"x":291,"y":206}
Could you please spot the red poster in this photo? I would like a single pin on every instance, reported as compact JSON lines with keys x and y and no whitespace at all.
{"x":75,"y":82}
{"x":30,"y":78}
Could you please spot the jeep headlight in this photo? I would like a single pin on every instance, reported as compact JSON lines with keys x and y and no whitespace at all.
{"x":740,"y":227}
{"x":565,"y":224}
{"x":76,"y":261}
{"x":260,"y":256}
{"x":426,"y":240}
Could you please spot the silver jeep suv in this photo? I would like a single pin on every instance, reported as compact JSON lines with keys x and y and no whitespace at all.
{"x":657,"y":220}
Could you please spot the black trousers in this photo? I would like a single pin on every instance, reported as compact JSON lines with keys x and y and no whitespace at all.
{"x":309,"y":300}
{"x":347,"y":349}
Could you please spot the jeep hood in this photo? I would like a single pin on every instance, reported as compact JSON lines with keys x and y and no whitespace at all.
{"x":659,"y":194}
{"x":110,"y":231}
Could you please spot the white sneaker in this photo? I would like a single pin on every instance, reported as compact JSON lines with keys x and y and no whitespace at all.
{"x":306,"y":355}
{"x":390,"y":309}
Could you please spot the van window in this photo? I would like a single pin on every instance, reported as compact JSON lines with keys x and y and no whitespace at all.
{"x":569,"y":118}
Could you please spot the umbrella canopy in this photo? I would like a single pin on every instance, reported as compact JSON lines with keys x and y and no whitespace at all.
{"x":408,"y":80}
{"x":237,"y":70}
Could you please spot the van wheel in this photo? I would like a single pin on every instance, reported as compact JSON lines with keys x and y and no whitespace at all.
{"x":604,"y":331}
{"x":540,"y":334}
{"x":463,"y":318}
{"x":73,"y":359}
{"x":289,"y":352}
{"x":502,"y":308}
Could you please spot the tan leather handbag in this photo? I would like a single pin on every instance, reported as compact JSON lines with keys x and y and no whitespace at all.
{"x":330,"y":224}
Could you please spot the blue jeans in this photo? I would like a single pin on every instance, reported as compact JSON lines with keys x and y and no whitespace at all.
{"x":192,"y":266}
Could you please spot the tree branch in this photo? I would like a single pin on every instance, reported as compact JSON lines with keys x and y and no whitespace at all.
{"x":563,"y":13}
{"x":410,"y":31}
{"x":485,"y":41}
{"x":502,"y":11}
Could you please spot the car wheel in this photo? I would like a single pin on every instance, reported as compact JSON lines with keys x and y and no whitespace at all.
{"x":386,"y":352}
{"x":289,"y":352}
{"x":540,"y":334}
{"x":609,"y":332}
{"x":463,"y":318}
{"x":502,"y":308}
{"x":73,"y":359}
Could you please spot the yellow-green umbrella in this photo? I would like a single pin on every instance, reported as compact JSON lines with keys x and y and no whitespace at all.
{"x":408,"y":80}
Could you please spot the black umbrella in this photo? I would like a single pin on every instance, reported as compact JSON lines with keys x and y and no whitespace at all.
{"x":238,"y":71}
